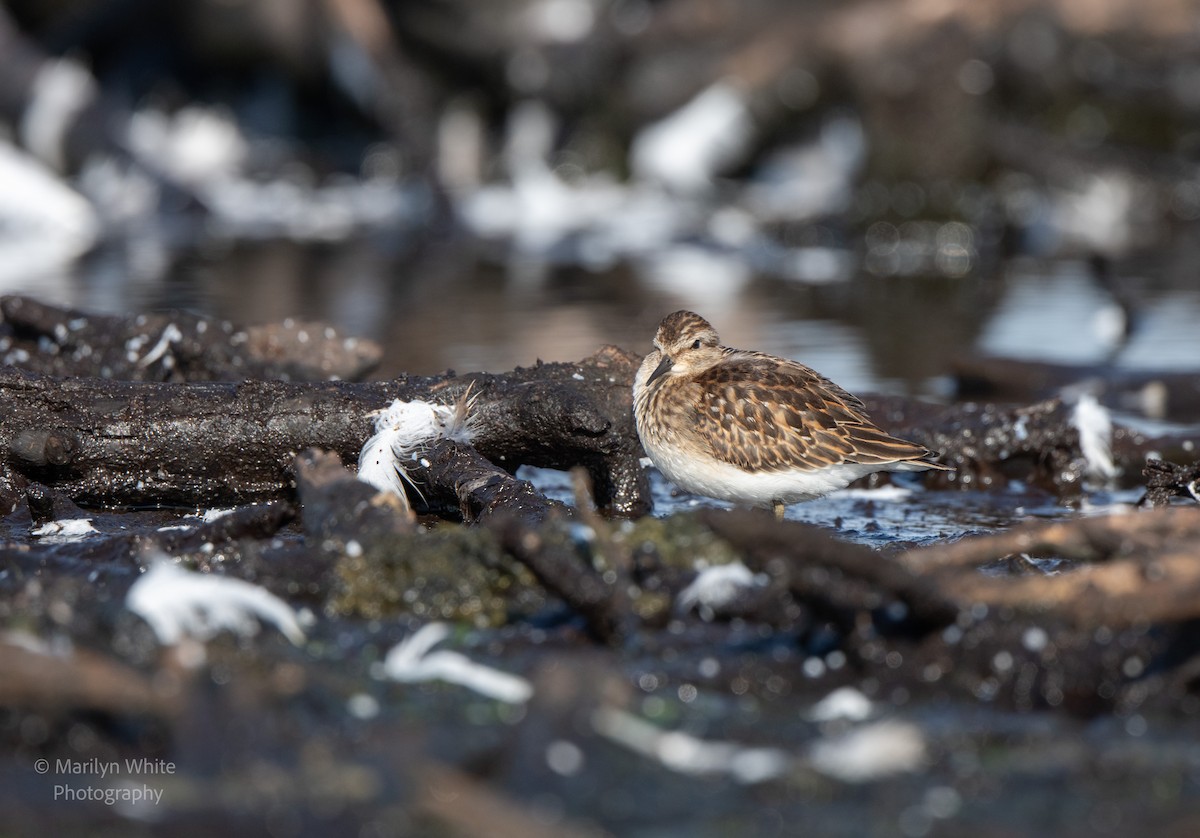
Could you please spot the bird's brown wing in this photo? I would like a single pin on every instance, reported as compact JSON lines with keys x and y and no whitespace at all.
{"x":760,"y":414}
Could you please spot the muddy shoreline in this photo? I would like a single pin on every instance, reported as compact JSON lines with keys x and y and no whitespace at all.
{"x":1038,"y":678}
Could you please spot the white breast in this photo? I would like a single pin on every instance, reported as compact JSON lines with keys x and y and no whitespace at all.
{"x":716,"y":479}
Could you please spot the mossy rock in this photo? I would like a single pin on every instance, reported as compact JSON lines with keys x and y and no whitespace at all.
{"x":461,"y":574}
{"x":668,"y":552}
{"x":680,"y":542}
{"x":448,"y":573}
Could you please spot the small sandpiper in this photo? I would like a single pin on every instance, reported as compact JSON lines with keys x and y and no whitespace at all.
{"x":751,"y":428}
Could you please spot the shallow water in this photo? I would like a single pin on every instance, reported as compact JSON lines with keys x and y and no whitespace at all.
{"x":902,"y":511}
{"x":456,"y":307}
{"x":1061,"y":315}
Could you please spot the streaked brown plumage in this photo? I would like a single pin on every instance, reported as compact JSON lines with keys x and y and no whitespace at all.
{"x":752,"y":428}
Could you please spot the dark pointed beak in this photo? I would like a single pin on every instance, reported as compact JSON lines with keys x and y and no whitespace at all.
{"x":663,"y":365}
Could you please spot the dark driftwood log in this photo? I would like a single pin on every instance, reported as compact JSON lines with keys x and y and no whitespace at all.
{"x":336,"y":504}
{"x":1141,"y":569}
{"x":339,"y":508}
{"x":1091,"y":540}
{"x":1165,"y":481}
{"x":246,"y":524}
{"x":989,"y":444}
{"x":1030,"y":641}
{"x":175,"y":346}
{"x":561,"y":570}
{"x":836,"y":577}
{"x":111,"y":442}
{"x":455,"y":475}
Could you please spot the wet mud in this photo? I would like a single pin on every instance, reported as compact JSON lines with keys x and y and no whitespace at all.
{"x":705,"y":671}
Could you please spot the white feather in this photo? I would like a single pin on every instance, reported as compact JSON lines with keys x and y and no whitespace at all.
{"x":378,"y":464}
{"x":717,"y":586}
{"x":210,"y":515}
{"x":67,"y":529}
{"x":411,"y":661}
{"x":179,"y":604}
{"x":687,"y":754}
{"x":880,"y":749}
{"x":401,"y":431}
{"x":1092,"y":421}
{"x":170,"y":335}
{"x":842,"y":703}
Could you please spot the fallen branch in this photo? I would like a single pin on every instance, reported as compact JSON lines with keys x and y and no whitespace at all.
{"x":175,"y":346}
{"x":1165,"y":481}
{"x":990,"y":444}
{"x":560,"y":568}
{"x":1141,"y":569}
{"x":452,"y":474}
{"x":338,"y":508}
{"x":386,"y":564}
{"x":836,"y":577}
{"x":1081,"y":640}
{"x":113,"y":442}
{"x":1091,"y":540}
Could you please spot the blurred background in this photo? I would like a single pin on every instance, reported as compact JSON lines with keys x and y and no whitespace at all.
{"x":874,"y":187}
{"x":887,"y":190}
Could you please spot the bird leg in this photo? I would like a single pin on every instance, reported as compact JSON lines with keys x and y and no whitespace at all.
{"x":778,"y":507}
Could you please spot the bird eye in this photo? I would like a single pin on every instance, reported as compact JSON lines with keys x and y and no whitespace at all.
{"x":696,"y":343}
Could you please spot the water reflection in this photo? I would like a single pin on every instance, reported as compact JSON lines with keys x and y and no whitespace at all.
{"x":458,"y":306}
